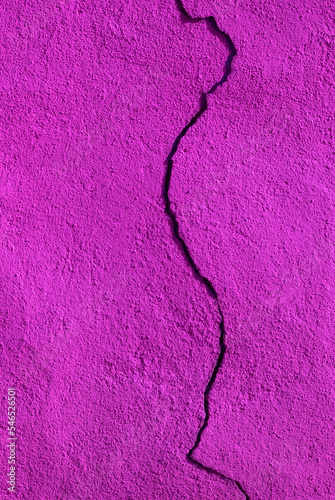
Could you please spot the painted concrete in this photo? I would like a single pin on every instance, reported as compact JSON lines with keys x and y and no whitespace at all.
{"x":106,"y":333}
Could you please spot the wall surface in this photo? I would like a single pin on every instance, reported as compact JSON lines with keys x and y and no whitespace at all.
{"x":108,"y":335}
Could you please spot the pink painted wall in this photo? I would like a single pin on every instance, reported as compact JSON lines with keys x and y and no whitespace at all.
{"x":106,"y":333}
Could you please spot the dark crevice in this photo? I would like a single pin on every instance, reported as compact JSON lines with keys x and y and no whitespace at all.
{"x":213,"y":28}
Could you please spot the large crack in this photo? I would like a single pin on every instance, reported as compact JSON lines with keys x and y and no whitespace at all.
{"x":213,"y":27}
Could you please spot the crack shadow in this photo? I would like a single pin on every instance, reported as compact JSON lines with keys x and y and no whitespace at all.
{"x":225,"y":38}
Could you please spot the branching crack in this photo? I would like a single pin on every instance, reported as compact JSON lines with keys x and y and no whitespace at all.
{"x":213,"y":27}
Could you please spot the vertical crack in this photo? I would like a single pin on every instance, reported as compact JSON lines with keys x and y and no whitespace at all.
{"x":213,"y":27}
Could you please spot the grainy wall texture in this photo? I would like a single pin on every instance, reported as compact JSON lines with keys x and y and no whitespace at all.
{"x":149,"y":361}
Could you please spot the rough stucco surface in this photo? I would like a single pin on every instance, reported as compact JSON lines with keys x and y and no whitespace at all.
{"x":105,"y":332}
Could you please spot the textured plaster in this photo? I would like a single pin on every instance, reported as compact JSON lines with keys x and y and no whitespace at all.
{"x":106,"y":333}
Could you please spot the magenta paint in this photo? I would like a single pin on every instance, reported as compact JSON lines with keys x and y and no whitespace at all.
{"x":107,"y":336}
